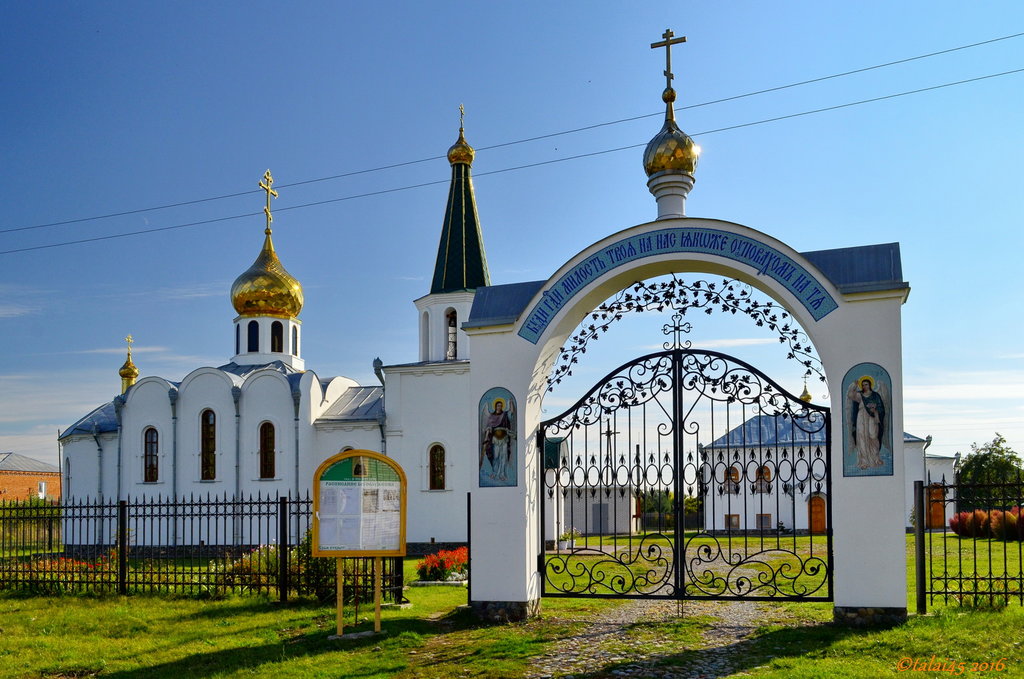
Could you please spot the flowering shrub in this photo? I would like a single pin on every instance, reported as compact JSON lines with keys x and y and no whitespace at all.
{"x":256,"y":570}
{"x":48,"y":575}
{"x":444,"y":565}
{"x":1001,"y":525}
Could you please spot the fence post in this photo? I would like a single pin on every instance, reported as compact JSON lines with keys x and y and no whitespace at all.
{"x":282,"y":548}
{"x":919,"y":514}
{"x":122,"y":547}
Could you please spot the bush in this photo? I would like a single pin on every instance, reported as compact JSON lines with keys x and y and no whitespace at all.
{"x":998,"y":524}
{"x":445,"y":565}
{"x":319,"y":575}
{"x":256,"y":570}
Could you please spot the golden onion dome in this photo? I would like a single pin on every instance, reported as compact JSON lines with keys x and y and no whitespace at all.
{"x":128,"y":371}
{"x":806,"y":396}
{"x":461,"y":151}
{"x":671,"y":149}
{"x":265,"y":288}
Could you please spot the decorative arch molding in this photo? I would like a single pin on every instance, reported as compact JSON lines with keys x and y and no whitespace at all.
{"x":229,"y":379}
{"x":675,"y":295}
{"x":768,"y":265}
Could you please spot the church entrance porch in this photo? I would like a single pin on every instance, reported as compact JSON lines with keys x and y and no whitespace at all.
{"x":674,"y":431}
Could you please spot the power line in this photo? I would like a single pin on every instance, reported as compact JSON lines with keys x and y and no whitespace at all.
{"x":517,"y":167}
{"x":517,"y":141}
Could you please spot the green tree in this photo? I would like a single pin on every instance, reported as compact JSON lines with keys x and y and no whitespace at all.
{"x":983,"y":470}
{"x":655,"y":501}
{"x":691,"y":504}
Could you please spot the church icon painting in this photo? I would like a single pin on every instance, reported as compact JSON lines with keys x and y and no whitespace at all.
{"x":498,"y":461}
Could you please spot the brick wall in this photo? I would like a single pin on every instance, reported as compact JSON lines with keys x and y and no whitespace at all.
{"x":25,"y":485}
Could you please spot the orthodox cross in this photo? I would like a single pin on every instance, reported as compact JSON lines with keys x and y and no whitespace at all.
{"x":676,"y":328}
{"x":667,"y":44}
{"x":265,"y":184}
{"x":609,"y":435}
{"x":462,"y":115}
{"x":130,"y":340}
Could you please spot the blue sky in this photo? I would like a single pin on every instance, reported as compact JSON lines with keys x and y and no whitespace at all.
{"x":109,"y":107}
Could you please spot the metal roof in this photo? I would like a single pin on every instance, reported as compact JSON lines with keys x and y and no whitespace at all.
{"x":501,"y":304}
{"x":461,"y":262}
{"x":100,"y":421}
{"x":356,"y":404}
{"x":771,"y":430}
{"x":861,"y":269}
{"x":13,"y":462}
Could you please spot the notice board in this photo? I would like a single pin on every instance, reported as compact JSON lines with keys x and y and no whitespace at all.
{"x":359,"y":499}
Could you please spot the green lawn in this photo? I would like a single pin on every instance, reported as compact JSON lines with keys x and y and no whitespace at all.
{"x":143,"y":636}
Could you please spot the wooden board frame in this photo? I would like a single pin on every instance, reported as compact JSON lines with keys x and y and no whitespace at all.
{"x":335,"y":459}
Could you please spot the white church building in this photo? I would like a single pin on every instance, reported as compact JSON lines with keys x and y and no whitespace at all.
{"x":262,"y":422}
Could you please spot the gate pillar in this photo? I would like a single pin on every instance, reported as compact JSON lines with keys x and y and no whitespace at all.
{"x":868,"y":509}
{"x":504,"y":524}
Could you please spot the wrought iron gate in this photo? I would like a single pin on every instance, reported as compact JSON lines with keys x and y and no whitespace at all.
{"x":687,"y":474}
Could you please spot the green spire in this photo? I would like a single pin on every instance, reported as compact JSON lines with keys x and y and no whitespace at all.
{"x":461,"y":262}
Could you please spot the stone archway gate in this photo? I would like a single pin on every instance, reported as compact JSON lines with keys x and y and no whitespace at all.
{"x":685,"y":474}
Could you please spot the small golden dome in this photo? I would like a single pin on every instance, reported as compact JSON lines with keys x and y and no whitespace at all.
{"x":671,"y":149}
{"x":806,"y":396}
{"x":266,"y":289}
{"x":128,"y":371}
{"x":461,"y":151}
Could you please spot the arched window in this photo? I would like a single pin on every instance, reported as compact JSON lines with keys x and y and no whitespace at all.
{"x":150,"y":451}
{"x":238,"y":339}
{"x":266,"y":450}
{"x":437,"y":468}
{"x":208,"y":445}
{"x":254,"y":337}
{"x":277,"y":337}
{"x":764,"y":474}
{"x":66,"y":489}
{"x":452,"y":321}
{"x":295,"y":340}
{"x":734,"y":474}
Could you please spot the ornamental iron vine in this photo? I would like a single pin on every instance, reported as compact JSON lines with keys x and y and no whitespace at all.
{"x":729,"y":296}
{"x":687,"y":474}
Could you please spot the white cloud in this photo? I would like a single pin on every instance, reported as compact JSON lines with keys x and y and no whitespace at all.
{"x":15,"y":310}
{"x":39,"y":442}
{"x":119,"y":350}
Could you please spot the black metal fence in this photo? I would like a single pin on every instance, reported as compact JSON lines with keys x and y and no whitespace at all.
{"x":196,"y":546}
{"x":969,"y":543}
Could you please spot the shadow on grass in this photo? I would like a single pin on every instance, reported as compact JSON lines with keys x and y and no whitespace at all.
{"x":745,"y":654}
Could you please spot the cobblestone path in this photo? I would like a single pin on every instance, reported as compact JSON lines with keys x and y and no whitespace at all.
{"x":606,"y":643}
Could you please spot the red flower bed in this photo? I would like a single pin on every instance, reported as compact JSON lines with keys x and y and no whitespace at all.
{"x":444,"y":564}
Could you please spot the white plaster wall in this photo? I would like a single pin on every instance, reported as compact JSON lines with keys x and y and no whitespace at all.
{"x":201,"y":389}
{"x":437,"y":325}
{"x":85,"y":465}
{"x":266,"y":397}
{"x":146,"y":405}
{"x":505,"y":521}
{"x":428,"y":405}
{"x":867,"y":513}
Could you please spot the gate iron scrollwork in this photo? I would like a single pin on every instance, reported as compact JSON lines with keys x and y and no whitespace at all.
{"x":687,"y":474}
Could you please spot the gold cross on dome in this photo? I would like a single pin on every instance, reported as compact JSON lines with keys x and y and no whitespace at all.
{"x":265,"y":184}
{"x":130,"y":340}
{"x":667,"y":44}
{"x":462,"y":115}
